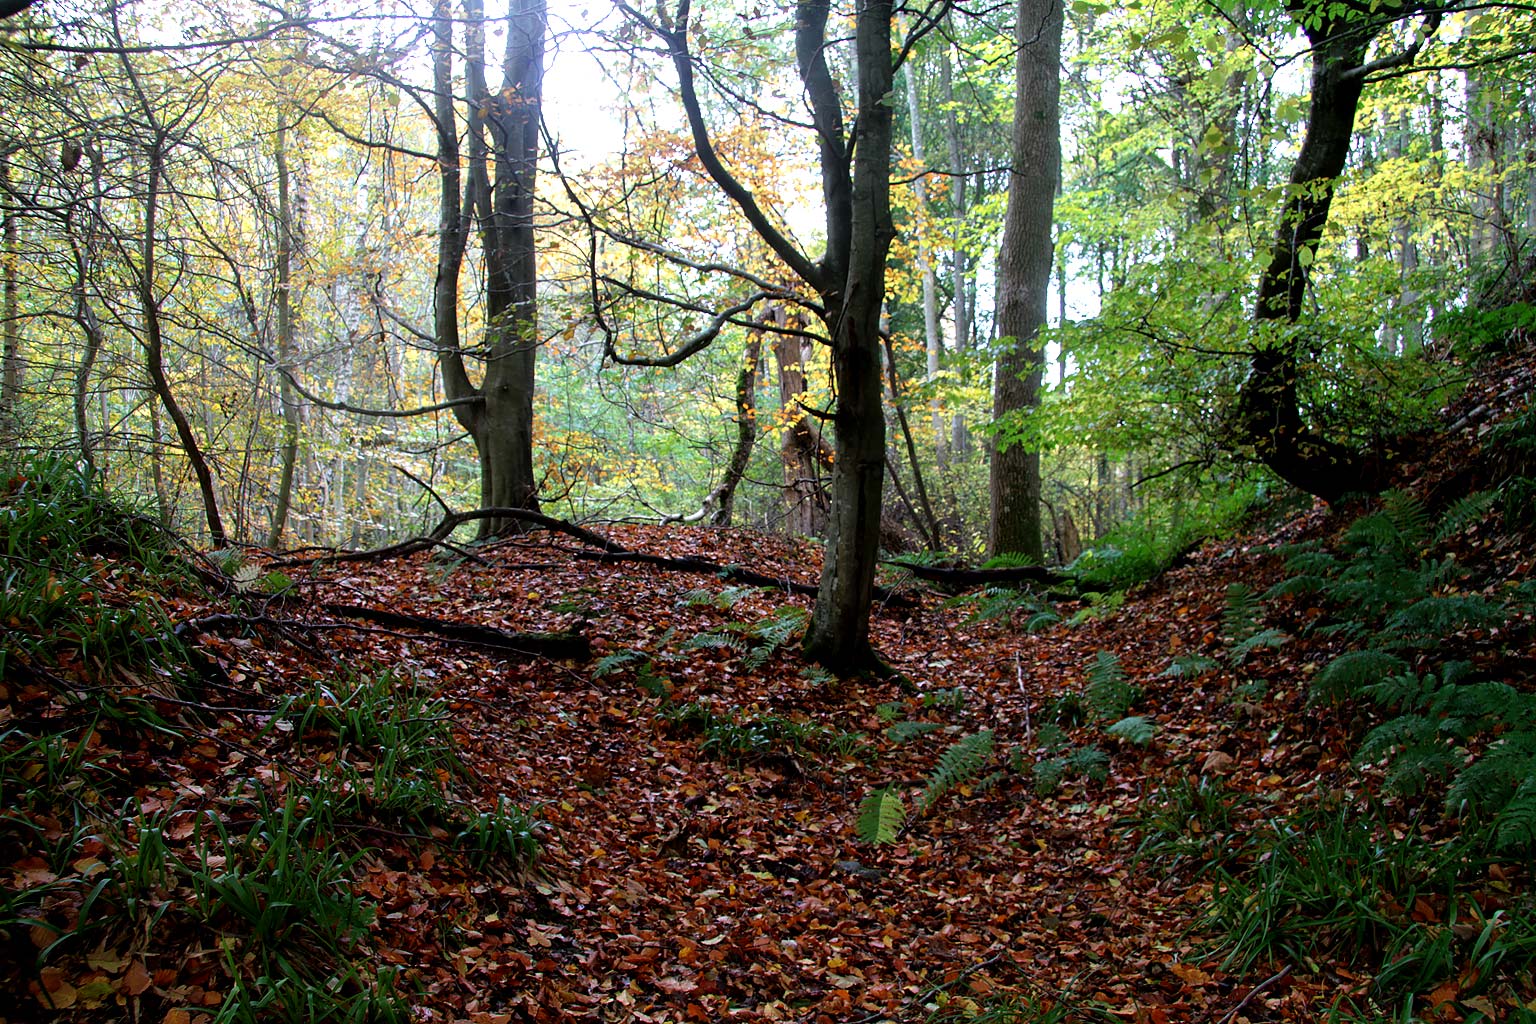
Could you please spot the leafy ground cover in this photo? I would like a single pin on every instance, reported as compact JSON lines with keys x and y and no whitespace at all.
{"x":227,"y":798}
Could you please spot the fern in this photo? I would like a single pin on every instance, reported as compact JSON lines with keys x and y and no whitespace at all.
{"x":1434,"y":618}
{"x":1491,"y":783}
{"x":1263,"y":638}
{"x":1409,"y":516}
{"x":881,"y":816}
{"x":1110,"y":695}
{"x":712,"y":640}
{"x":1515,"y":825}
{"x":818,"y":676}
{"x":1136,"y":730}
{"x":903,"y":731}
{"x":1462,"y":514}
{"x":1190,"y":666}
{"x":1086,"y":762}
{"x":957,"y":765}
{"x":1042,"y":620}
{"x":1350,"y":673}
{"x":611,"y":663}
{"x":1240,"y":619}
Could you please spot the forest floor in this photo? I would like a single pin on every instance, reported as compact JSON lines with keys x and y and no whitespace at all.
{"x":694,"y":791}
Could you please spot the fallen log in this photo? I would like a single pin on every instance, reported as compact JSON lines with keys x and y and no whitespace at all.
{"x":570,"y":645}
{"x":732,"y":574}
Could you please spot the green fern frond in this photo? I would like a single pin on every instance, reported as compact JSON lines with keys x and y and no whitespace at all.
{"x":698,"y":597}
{"x":881,"y":816}
{"x":1416,"y":768}
{"x":1490,"y":783}
{"x":1434,"y":618}
{"x":1313,"y":562}
{"x":1297,"y":586}
{"x":964,"y":758}
{"x":1240,"y":619}
{"x":1402,"y":733}
{"x":903,"y":731}
{"x":1089,"y":762}
{"x":1350,"y":673}
{"x":1515,"y":825}
{"x":709,"y":641}
{"x":1190,"y":666}
{"x":1136,"y":730}
{"x":1110,"y":694}
{"x":1493,"y":705}
{"x":756,"y":658}
{"x":1474,"y":508}
{"x":1263,"y":638}
{"x":1042,"y":620}
{"x":613,"y":662}
{"x":1404,"y":691}
{"x":1409,"y":516}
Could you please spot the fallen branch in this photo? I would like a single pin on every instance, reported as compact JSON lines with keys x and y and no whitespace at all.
{"x":1260,"y":987}
{"x":571,"y":645}
{"x":981,"y":577}
{"x":732,"y":574}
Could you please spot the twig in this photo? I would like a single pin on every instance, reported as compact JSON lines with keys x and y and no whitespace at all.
{"x":1260,"y":987}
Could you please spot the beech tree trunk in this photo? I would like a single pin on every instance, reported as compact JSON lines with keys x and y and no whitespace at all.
{"x":497,"y":200}
{"x":1024,"y":274}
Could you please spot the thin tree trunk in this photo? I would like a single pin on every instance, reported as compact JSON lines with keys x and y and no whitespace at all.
{"x":10,"y":308}
{"x":285,"y":343}
{"x":933,"y":340}
{"x":746,"y":431}
{"x":154,"y":347}
{"x":960,"y":435}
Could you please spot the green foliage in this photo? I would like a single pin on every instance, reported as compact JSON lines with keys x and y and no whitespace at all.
{"x":881,"y":816}
{"x":1049,"y":774}
{"x":1110,"y":695}
{"x":947,"y":699}
{"x":957,"y":765}
{"x":1190,"y":666}
{"x":282,"y":886}
{"x":1190,"y":820}
{"x":991,"y":604}
{"x":55,"y":517}
{"x":747,"y":738}
{"x":1135,"y":729}
{"x":1334,"y":883}
{"x":504,"y":833}
{"x":903,"y":731}
{"x":1241,"y":625}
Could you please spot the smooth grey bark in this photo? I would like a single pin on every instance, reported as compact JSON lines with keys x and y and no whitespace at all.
{"x":498,"y":204}
{"x":933,"y":341}
{"x":1024,"y":273}
{"x":960,"y":263}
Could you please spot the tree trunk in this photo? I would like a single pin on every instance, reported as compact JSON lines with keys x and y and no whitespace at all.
{"x":153,"y":344}
{"x":503,"y":140}
{"x":804,"y":453}
{"x":285,"y":347}
{"x":746,"y":431}
{"x":1024,"y":273}
{"x":933,"y":341}
{"x":1269,"y":412}
{"x":10,"y":310}
{"x":960,"y":435}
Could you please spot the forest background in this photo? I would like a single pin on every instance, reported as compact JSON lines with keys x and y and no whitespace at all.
{"x":226,"y":246}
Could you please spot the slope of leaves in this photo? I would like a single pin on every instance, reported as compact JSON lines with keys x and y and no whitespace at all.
{"x":674,"y":883}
